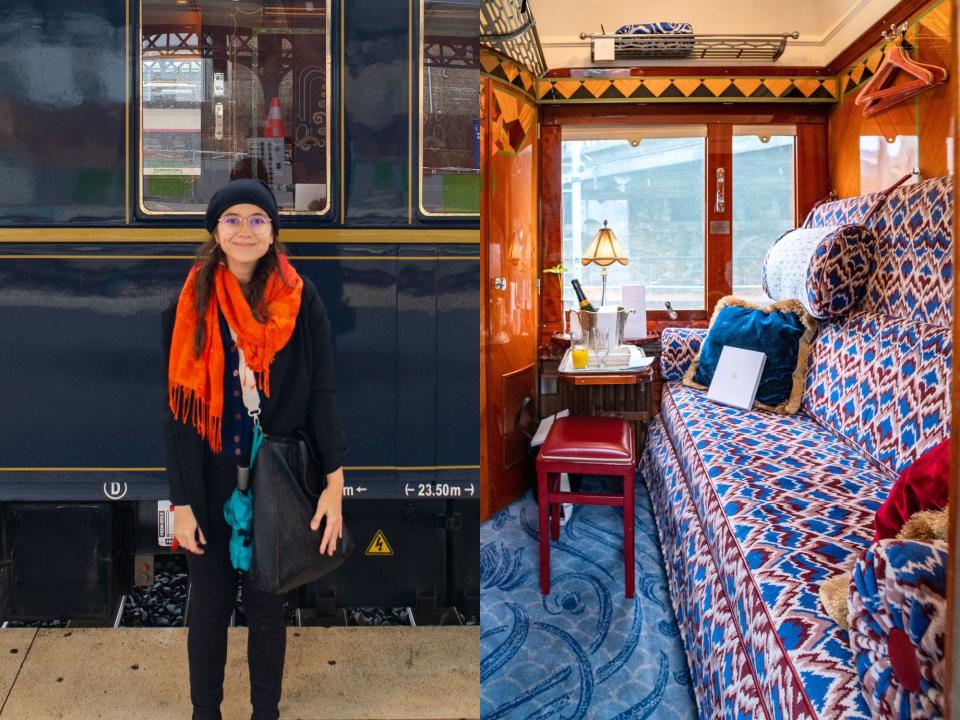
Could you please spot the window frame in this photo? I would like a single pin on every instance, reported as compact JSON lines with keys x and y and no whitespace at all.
{"x":325,"y":214}
{"x":423,"y":213}
{"x":811,"y":176}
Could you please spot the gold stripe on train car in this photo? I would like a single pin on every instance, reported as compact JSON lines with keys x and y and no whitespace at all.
{"x":355,"y":468}
{"x":330,"y":236}
{"x":294,"y":258}
{"x":615,"y":89}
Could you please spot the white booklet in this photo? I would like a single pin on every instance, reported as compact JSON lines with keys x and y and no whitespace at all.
{"x":737,"y":377}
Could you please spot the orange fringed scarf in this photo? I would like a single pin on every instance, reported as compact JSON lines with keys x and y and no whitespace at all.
{"x":195,"y":385}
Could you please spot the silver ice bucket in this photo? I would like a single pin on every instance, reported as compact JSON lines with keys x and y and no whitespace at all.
{"x":588,"y":322}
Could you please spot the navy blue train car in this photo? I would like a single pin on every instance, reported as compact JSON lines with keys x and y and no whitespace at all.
{"x":118,"y":120}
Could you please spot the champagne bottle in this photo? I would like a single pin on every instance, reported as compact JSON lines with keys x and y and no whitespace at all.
{"x":581,"y":297}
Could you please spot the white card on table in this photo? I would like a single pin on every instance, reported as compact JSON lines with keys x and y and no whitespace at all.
{"x":737,"y":377}
{"x":634,"y":297}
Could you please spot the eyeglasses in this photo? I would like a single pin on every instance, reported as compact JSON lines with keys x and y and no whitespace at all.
{"x":258,"y":224}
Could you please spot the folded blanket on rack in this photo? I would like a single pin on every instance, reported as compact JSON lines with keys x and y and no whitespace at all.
{"x":673,"y":43}
{"x":658,"y":28}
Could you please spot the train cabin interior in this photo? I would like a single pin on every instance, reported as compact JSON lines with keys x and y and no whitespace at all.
{"x":717,"y":254}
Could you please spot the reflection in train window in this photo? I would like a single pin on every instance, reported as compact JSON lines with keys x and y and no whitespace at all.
{"x":886,"y":159}
{"x":232,"y":89}
{"x":449,"y":120}
{"x":763,"y":193}
{"x":648,"y":184}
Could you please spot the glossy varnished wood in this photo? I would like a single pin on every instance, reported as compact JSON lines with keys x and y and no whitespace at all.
{"x":551,"y":230}
{"x":929,"y":115}
{"x":626,"y":395}
{"x":868,"y":38}
{"x":813,"y":175}
{"x":510,"y":253}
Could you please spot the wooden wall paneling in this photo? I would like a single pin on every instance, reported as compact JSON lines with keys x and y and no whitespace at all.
{"x":511,"y":269}
{"x":928,"y":115}
{"x":847,"y":127}
{"x":719,"y":229}
{"x":812,"y":169}
{"x":903,"y":10}
{"x":934,"y":107}
{"x":551,"y":230}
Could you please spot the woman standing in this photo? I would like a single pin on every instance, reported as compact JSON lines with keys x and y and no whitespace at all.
{"x":247,"y":332}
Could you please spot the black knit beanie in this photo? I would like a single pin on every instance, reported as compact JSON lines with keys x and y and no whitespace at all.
{"x":255,"y":192}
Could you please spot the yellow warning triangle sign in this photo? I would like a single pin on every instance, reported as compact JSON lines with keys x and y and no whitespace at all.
{"x":379,"y":545}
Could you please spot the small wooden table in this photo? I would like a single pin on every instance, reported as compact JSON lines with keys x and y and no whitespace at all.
{"x":623,"y":392}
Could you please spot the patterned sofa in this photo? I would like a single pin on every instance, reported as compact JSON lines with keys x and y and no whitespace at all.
{"x":756,"y":510}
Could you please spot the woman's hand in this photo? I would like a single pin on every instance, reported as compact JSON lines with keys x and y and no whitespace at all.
{"x":330,"y":505}
{"x":186,"y":530}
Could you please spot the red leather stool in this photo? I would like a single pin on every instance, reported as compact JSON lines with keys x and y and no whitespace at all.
{"x":585,"y":446}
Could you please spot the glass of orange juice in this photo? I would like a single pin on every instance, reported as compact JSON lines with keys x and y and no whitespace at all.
{"x":578,"y":351}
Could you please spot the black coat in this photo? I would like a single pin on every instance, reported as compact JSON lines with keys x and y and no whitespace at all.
{"x":302,"y":396}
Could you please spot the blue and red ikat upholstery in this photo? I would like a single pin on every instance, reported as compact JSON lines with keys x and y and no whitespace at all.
{"x":678,"y":348}
{"x":883,"y":383}
{"x":898,"y":612}
{"x":782,"y":504}
{"x":756,"y":510}
{"x":914,"y":276}
{"x":881,"y":376}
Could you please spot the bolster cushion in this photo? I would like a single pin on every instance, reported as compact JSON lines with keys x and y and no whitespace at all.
{"x":826,"y":269}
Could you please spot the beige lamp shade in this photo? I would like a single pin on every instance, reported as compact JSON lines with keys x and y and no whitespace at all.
{"x":604,"y":249}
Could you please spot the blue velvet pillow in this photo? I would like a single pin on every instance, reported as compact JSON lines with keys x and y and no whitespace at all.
{"x":783,"y":331}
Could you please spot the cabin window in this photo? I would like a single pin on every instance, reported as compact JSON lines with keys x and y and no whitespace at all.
{"x":230,"y":90}
{"x":648,"y":184}
{"x":763,"y":200}
{"x":449,"y":118}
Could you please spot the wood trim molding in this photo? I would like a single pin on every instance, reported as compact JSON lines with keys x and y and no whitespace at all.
{"x":754,"y":114}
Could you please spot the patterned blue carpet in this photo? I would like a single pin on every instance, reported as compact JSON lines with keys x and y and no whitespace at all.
{"x":584,"y":651}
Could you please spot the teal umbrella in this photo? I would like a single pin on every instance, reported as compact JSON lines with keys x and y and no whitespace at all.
{"x":238,"y":511}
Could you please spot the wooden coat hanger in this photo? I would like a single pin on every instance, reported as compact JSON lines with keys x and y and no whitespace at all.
{"x":876,"y":96}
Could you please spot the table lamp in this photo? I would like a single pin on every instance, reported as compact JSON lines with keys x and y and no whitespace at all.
{"x":604,"y":250}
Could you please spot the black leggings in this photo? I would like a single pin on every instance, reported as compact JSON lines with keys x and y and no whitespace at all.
{"x":213,"y":587}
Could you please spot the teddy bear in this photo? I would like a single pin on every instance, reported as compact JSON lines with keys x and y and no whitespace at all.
{"x":923,"y":525}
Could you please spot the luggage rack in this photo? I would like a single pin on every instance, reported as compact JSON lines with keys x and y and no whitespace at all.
{"x":690,"y":46}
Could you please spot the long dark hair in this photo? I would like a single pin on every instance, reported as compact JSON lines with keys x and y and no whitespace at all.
{"x":208,"y":257}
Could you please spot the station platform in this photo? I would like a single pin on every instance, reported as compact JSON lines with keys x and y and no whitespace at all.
{"x":330,"y":673}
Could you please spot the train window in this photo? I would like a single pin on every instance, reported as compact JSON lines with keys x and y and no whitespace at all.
{"x":763,"y":194}
{"x":886,"y":159}
{"x":231,"y":89}
{"x":449,"y":118}
{"x":648,"y":184}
